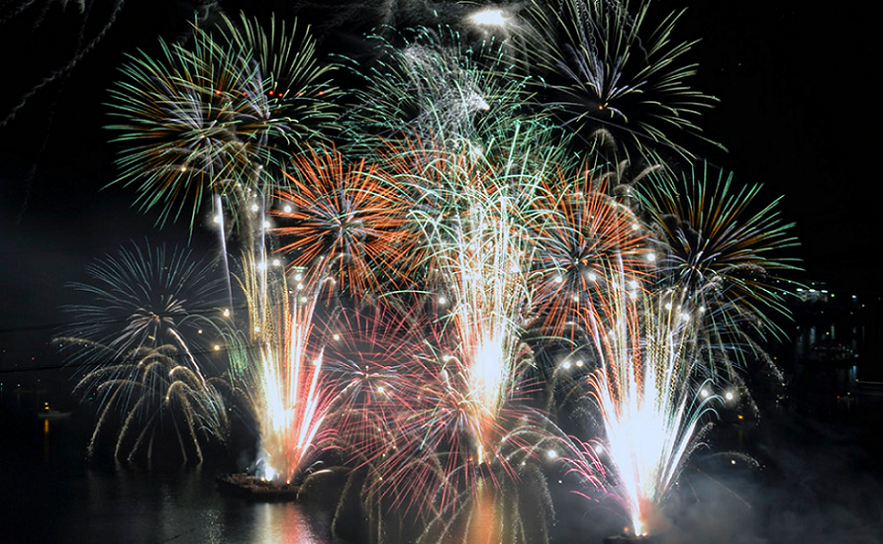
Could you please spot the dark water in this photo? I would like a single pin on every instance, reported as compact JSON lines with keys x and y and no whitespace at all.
{"x":50,"y":495}
{"x":808,"y":482}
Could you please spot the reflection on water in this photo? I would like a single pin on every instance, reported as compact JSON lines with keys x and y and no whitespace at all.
{"x":283,"y":523}
{"x":52,"y":496}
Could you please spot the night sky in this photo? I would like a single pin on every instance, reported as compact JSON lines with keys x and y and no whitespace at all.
{"x":795,"y":114}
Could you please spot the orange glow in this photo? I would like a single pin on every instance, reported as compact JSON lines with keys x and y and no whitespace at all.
{"x":484,"y":527}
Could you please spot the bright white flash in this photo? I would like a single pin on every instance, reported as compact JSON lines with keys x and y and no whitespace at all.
{"x":489,"y":17}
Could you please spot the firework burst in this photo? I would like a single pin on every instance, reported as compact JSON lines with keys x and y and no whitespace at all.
{"x":152,"y":315}
{"x":720,"y":254}
{"x":144,"y":297}
{"x":434,"y":87}
{"x":604,"y":68}
{"x":584,"y":230}
{"x":346,"y":220}
{"x":213,"y":118}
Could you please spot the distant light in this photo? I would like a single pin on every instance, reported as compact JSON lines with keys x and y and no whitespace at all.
{"x":226,"y":312}
{"x":651,"y":257}
{"x":552,"y":454}
{"x":254,"y":207}
{"x":287,"y":209}
{"x":217,"y":347}
{"x":442,"y":300}
{"x":729,"y":395}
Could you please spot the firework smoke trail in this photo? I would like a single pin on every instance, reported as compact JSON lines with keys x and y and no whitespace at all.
{"x":83,"y":48}
{"x":649,"y":362}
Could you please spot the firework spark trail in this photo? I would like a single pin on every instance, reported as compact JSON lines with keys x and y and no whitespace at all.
{"x":349,"y":217}
{"x":293,"y":401}
{"x":582,"y":231}
{"x":150,"y":396}
{"x":274,"y":356}
{"x":604,"y":69}
{"x":721,"y":255}
{"x":468,"y":428}
{"x":217,"y":117}
{"x":645,"y":388}
{"x":479,"y":253}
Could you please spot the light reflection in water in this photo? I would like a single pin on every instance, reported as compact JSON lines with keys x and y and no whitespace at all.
{"x":50,"y":494}
{"x":186,"y":507}
{"x":282,"y":523}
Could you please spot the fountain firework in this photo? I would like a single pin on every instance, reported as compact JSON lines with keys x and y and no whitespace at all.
{"x":460,"y":215}
{"x":272,"y":357}
{"x":645,"y":387}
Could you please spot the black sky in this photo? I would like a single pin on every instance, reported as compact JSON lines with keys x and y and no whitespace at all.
{"x":795,"y":113}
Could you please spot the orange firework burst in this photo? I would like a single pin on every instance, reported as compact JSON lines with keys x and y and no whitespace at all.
{"x":584,"y":232}
{"x":347,"y":220}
